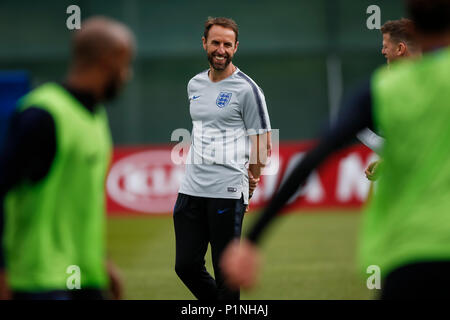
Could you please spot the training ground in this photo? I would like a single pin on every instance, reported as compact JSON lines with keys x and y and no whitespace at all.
{"x":307,"y":255}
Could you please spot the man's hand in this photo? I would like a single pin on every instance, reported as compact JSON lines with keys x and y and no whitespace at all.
{"x":240,"y":264}
{"x":252,"y":184}
{"x":373,"y":170}
{"x":115,"y":281}
{"x":5,"y":293}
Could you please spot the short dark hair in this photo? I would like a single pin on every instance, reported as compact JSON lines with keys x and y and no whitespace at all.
{"x":221,"y":21}
{"x":430,"y":16}
{"x":401,"y":30}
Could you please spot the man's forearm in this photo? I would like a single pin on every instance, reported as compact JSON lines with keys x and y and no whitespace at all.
{"x":357,"y":116}
{"x":259,"y":154}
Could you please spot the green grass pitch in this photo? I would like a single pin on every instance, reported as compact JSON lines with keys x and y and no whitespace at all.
{"x":311,"y":255}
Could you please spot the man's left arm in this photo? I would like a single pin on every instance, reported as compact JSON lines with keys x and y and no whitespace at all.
{"x":261,"y":147}
{"x":257,"y":122}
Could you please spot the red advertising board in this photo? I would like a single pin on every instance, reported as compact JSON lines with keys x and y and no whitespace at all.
{"x":144,"y":180}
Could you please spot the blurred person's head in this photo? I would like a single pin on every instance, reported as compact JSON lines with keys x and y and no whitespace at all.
{"x":103,"y":50}
{"x":220,"y":41}
{"x":399,"y":40}
{"x":432,"y":21}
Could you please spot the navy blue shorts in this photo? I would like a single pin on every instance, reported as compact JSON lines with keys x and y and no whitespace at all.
{"x":198,"y":222}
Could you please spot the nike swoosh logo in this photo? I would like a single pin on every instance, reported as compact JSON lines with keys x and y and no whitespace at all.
{"x":195,"y":97}
{"x":222,"y":211}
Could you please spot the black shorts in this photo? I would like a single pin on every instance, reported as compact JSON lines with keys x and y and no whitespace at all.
{"x":200,"y":221}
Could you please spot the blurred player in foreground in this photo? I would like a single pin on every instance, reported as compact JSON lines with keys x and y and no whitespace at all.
{"x":406,"y":229}
{"x":52,"y":174}
{"x":398,"y":43}
{"x":226,"y":107}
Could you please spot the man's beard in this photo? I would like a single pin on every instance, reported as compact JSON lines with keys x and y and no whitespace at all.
{"x":112,"y":90}
{"x":216,"y":66}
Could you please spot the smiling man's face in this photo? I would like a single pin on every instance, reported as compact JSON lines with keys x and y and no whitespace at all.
{"x":220,"y":47}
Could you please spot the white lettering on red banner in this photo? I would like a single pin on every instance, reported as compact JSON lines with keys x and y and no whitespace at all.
{"x":144,"y":180}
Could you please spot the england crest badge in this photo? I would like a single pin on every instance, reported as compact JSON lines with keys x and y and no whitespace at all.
{"x":223,"y":99}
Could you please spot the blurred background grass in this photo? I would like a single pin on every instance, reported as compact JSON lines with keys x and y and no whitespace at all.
{"x":311,"y":255}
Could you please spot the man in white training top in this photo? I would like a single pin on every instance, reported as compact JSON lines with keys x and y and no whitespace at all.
{"x":228,"y":111}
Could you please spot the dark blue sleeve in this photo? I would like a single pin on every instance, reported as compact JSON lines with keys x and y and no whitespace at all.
{"x":356,"y":116}
{"x":28,"y":154}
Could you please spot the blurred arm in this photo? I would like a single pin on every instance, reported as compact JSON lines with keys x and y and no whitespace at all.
{"x":356,"y":116}
{"x":27,"y":155}
{"x":371,"y":140}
